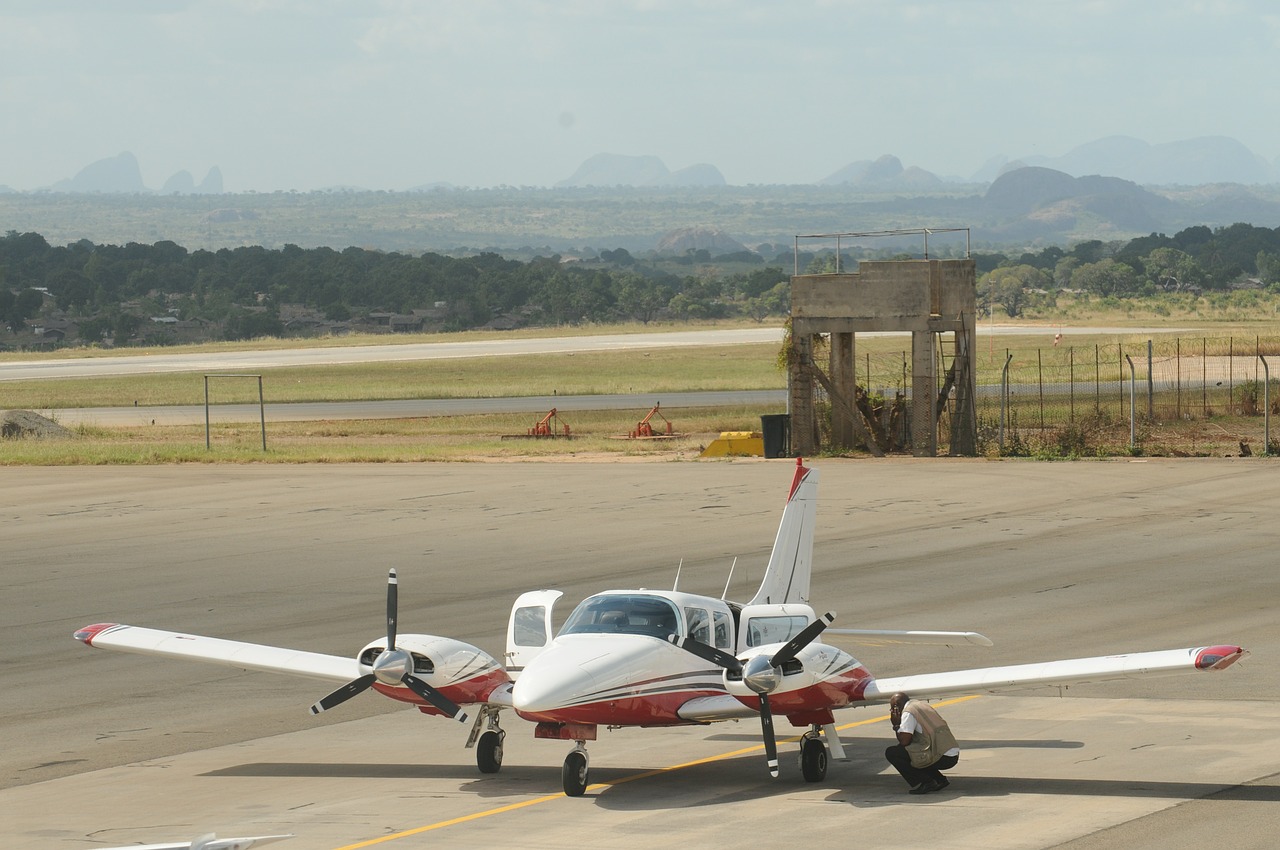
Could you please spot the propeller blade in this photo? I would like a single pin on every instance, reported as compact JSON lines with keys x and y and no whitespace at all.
{"x":770,"y":743}
{"x":393,"y":603}
{"x":801,"y":640}
{"x":344,"y":693}
{"x":706,"y":652}
{"x":434,"y":697}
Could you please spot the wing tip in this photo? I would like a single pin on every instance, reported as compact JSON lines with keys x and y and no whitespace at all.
{"x":87,"y":634}
{"x":1219,"y":657}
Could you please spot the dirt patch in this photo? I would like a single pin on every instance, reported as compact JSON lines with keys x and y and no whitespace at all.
{"x":24,"y":424}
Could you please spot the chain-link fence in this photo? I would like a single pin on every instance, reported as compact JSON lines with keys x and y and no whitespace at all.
{"x":1171,"y":396}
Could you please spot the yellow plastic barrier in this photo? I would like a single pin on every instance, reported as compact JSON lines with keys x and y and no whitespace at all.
{"x":736,"y":443}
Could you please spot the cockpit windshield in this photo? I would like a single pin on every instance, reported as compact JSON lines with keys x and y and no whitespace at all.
{"x":635,"y":614}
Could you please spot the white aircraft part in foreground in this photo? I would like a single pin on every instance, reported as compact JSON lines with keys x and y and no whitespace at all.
{"x":209,"y":842}
{"x":654,"y":658}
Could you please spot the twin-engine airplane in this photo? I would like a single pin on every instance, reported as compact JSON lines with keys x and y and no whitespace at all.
{"x":653,"y":658}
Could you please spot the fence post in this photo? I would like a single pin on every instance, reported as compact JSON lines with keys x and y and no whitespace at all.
{"x":1004,"y":394}
{"x":1266,"y":404}
{"x":1040,"y":378}
{"x":1071,"y":373}
{"x":1151,"y":387}
{"x":1133,"y":390}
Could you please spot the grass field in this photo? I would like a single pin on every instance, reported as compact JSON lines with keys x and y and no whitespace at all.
{"x":596,"y":434}
{"x":745,"y":367}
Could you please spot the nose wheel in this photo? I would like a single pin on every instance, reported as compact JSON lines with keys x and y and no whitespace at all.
{"x":574,"y":774}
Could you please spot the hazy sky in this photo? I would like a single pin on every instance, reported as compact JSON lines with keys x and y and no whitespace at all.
{"x":390,"y":94}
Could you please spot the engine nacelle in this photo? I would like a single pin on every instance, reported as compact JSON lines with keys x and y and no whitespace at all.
{"x":458,"y":670}
{"x":819,"y":675}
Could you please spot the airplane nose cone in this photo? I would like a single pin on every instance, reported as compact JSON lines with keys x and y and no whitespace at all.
{"x":543,"y":688}
{"x":578,"y":671}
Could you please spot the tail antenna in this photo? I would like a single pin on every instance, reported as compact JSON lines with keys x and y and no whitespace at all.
{"x":679,"y":567}
{"x":725,"y":595}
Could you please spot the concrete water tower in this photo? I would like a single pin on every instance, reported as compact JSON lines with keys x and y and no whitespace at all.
{"x":933,"y":300}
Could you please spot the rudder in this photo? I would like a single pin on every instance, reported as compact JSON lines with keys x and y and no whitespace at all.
{"x":791,"y":563}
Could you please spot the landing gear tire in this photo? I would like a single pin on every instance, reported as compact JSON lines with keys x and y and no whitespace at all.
{"x":813,"y":759}
{"x":489,"y":752}
{"x":574,"y":774}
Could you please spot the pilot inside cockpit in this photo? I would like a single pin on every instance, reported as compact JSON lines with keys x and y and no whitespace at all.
{"x":615,"y":620}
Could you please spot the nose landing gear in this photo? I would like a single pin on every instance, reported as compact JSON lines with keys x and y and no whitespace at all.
{"x":574,"y":774}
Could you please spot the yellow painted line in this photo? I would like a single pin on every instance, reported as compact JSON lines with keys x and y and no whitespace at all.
{"x":500,"y":810}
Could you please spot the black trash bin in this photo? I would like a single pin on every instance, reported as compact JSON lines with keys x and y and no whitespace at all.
{"x":776,"y":429}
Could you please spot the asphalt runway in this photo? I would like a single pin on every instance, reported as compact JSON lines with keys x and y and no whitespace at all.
{"x":239,"y":361}
{"x":1049,"y":560}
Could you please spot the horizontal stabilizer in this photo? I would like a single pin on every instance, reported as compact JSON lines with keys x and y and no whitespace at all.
{"x":890,"y":637}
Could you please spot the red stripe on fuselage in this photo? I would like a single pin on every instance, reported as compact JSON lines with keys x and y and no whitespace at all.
{"x":645,"y":710}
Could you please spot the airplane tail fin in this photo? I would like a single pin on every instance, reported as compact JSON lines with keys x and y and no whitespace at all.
{"x":791,"y":563}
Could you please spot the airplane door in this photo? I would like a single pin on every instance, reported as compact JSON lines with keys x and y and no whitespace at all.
{"x":529,"y":630}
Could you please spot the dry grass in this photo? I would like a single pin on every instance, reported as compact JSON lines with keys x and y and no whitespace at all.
{"x":458,"y":438}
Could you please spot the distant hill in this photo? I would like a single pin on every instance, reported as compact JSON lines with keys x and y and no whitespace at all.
{"x":183,"y":183}
{"x":1189,"y":162}
{"x":120,"y":174}
{"x":1035,"y":201}
{"x":884,"y":174}
{"x":711,"y":239}
{"x":611,"y":169}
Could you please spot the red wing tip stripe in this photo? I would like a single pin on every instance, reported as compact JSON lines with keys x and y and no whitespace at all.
{"x":801,"y":472}
{"x":1219,"y":657}
{"x":88,"y":633}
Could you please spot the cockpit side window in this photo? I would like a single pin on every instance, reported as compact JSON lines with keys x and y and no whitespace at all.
{"x":635,"y":614}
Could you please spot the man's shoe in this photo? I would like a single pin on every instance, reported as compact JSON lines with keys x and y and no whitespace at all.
{"x":942,"y":783}
{"x":927,"y":787}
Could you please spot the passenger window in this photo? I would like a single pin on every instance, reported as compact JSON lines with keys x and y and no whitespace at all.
{"x":767,"y":630}
{"x":723,"y":630}
{"x":699,"y":624}
{"x":530,"y":626}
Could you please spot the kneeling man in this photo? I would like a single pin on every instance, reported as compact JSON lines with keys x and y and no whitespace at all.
{"x":925,"y":745}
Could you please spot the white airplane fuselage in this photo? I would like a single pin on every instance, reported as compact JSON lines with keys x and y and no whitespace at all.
{"x":627,"y":672}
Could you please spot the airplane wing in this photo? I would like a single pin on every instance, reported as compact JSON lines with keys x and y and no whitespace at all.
{"x":887,"y":637}
{"x":232,"y":653}
{"x":710,"y":709}
{"x":209,"y":842}
{"x":1055,"y":673}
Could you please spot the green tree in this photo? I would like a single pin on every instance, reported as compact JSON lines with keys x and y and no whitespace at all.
{"x":1173,"y":270}
{"x":1010,"y":286}
{"x":640,"y":298}
{"x":1268,"y":267}
{"x":126,"y":328}
{"x":1106,"y":278}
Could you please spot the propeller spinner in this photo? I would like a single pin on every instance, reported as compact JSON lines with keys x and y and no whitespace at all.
{"x":393,"y":666}
{"x":760,"y":673}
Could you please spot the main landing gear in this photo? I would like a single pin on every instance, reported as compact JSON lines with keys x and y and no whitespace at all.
{"x":813,"y":756}
{"x":486,"y":737}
